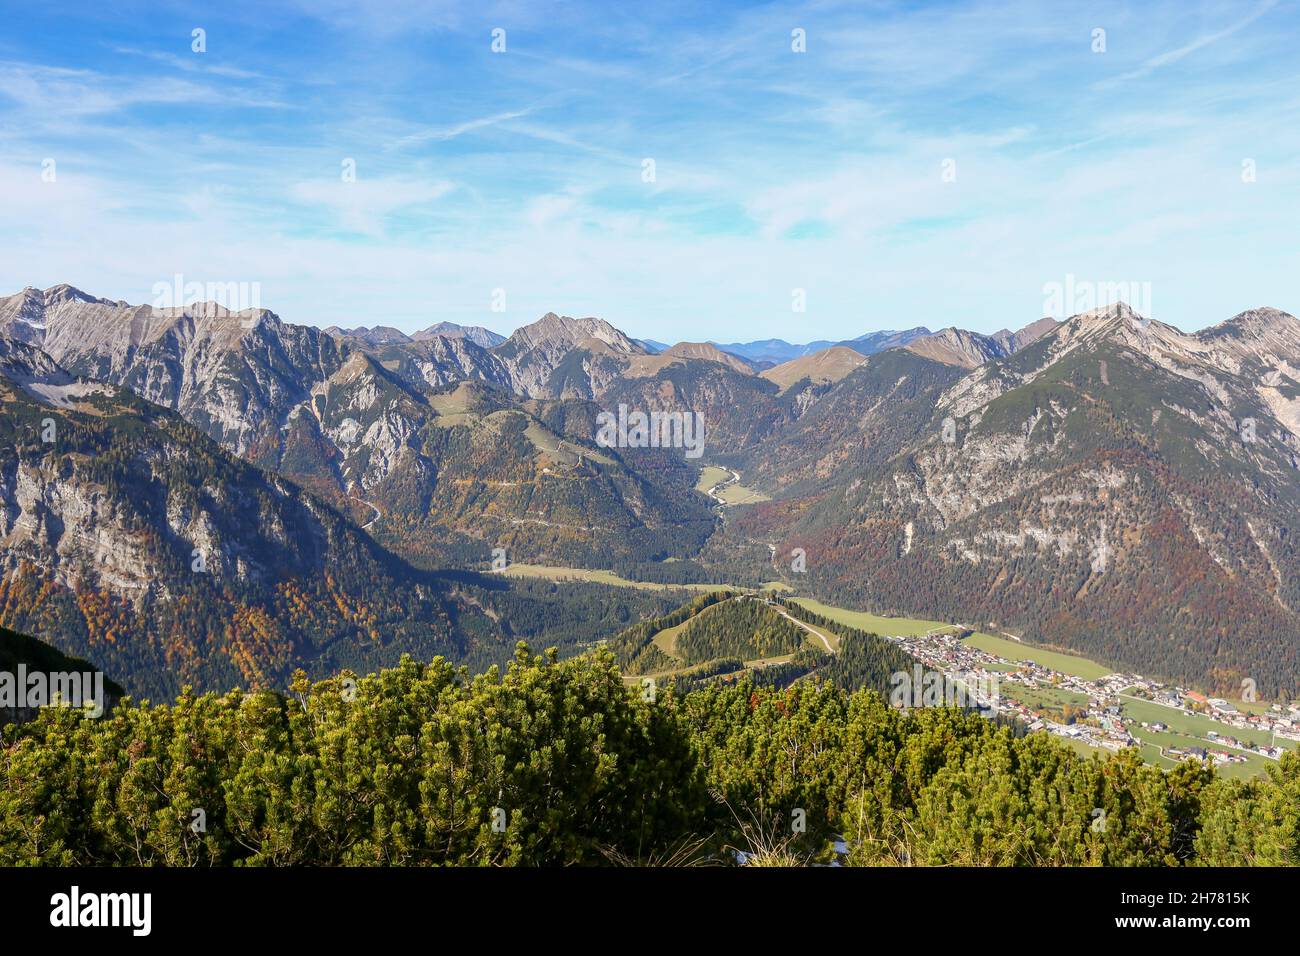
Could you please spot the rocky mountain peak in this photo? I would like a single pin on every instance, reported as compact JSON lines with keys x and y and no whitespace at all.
{"x":23,"y":363}
{"x":246,"y":318}
{"x":1015,"y":341}
{"x":1106,"y":316}
{"x":1265,"y":339}
{"x":357,"y":364}
{"x":562,"y":332}
{"x":58,"y":294}
{"x":646,"y":365}
{"x":379,"y":335}
{"x":954,"y":346}
{"x":828,"y":365}
{"x":477,"y":334}
{"x":708,"y":352}
{"x":1119,"y":325}
{"x":1254,"y":324}
{"x":42,"y":378}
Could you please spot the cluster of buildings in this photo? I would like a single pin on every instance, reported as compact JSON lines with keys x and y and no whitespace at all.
{"x":1092,"y":711}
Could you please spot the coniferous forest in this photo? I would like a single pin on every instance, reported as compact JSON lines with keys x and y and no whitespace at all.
{"x":550,"y":762}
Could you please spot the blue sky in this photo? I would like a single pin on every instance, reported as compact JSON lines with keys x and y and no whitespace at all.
{"x":774,"y":170}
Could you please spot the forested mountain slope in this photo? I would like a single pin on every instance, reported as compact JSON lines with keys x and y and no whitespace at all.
{"x":1118,"y":488}
{"x":134,"y":541}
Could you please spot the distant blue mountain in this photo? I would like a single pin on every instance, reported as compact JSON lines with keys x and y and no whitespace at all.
{"x":776,"y":351}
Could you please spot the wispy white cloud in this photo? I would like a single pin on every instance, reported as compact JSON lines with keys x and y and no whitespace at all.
{"x":363,"y":205}
{"x":64,"y":93}
{"x":444,"y":133}
{"x":195,"y":63}
{"x":1187,"y":49}
{"x":774,"y":169}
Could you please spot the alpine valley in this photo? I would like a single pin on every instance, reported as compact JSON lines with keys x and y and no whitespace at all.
{"x":213,"y":498}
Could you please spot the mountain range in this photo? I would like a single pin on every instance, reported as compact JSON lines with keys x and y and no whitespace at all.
{"x":1107,"y":484}
{"x":387,"y":335}
{"x":776,"y":351}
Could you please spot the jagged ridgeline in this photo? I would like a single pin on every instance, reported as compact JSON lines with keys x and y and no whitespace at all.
{"x":774,"y":642}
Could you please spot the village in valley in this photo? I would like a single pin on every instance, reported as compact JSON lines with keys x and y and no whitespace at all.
{"x":1090,"y":707}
